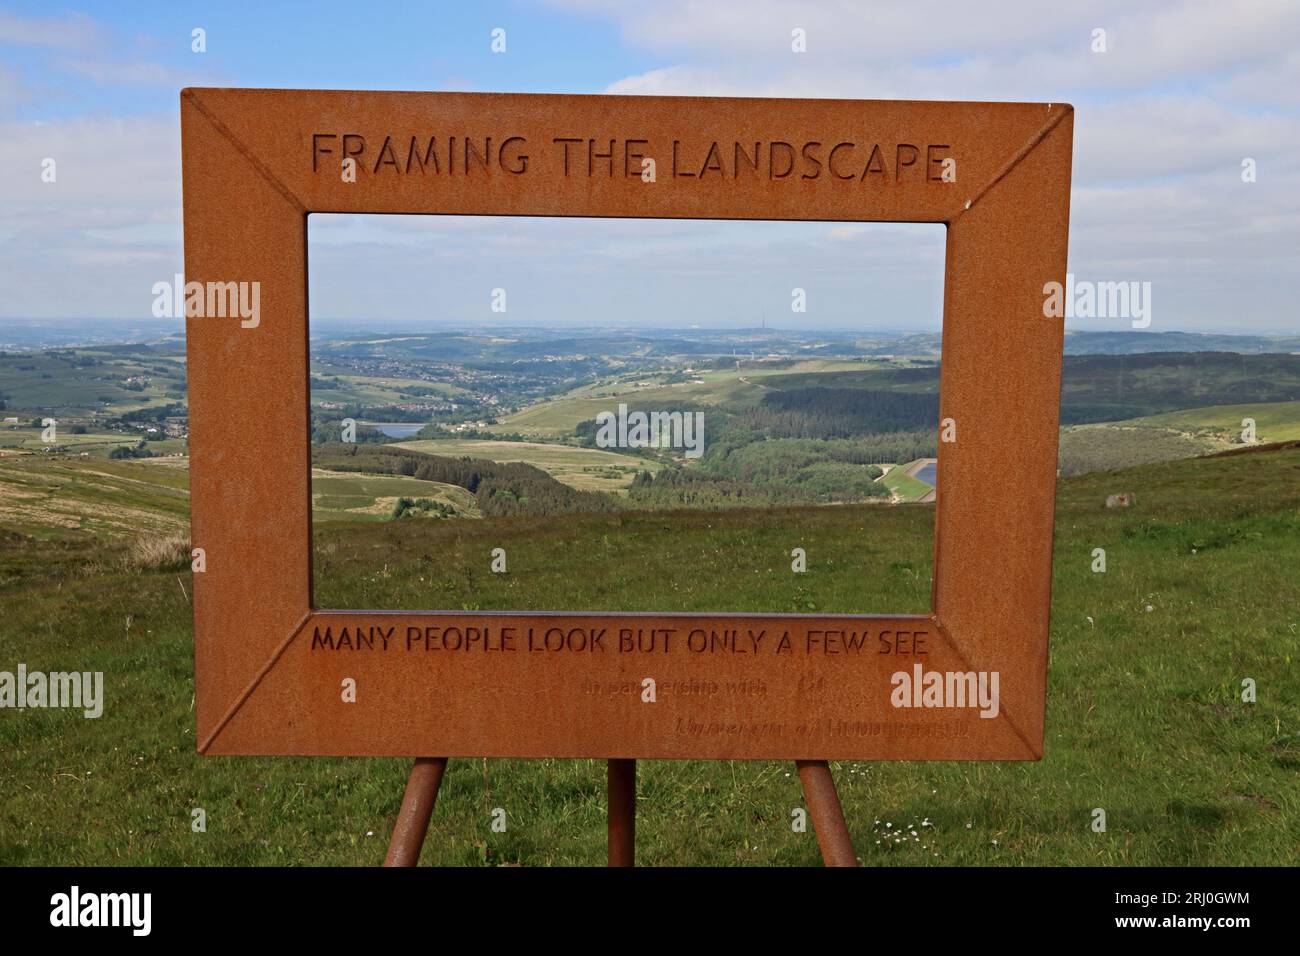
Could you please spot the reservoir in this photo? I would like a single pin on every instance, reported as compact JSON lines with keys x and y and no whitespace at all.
{"x":397,"y":429}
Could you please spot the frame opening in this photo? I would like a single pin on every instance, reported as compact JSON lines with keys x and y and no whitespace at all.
{"x":604,"y":415}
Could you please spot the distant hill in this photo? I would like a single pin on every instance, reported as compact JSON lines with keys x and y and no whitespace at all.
{"x":1132,"y":342}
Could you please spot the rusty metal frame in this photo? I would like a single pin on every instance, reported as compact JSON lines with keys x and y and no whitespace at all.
{"x":253,"y":171}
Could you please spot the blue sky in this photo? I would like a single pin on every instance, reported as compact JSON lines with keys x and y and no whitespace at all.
{"x":1184,"y":92}
{"x":328,"y":45}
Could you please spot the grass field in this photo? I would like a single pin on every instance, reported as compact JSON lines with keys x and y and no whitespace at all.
{"x":347,"y":388}
{"x":122,"y":498}
{"x":349,"y":496}
{"x":91,"y":381}
{"x":1173,"y":435}
{"x":1274,"y":421}
{"x":1106,"y":446}
{"x":587,"y":469}
{"x":1144,"y":714}
{"x":93,"y":444}
{"x":91,"y":501}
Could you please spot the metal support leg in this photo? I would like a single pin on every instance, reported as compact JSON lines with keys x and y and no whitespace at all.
{"x":827,"y":814}
{"x":417,"y":806}
{"x":622,"y":812}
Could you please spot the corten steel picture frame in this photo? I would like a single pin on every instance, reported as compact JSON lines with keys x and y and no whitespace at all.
{"x":257,"y":162}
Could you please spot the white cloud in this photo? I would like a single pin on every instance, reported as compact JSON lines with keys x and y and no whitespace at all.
{"x":1185,"y":91}
{"x":91,"y":243}
{"x":73,"y":32}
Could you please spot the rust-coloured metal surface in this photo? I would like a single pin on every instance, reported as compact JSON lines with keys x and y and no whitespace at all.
{"x":269,"y":666}
{"x":417,"y":807}
{"x":621,"y":812}
{"x":827,"y":813}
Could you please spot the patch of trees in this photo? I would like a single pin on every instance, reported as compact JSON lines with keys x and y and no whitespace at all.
{"x":421,"y":507}
{"x":378,"y":413}
{"x":435,"y":432}
{"x":689,"y":488}
{"x":1099,"y":388}
{"x":500,"y":489}
{"x":325,"y":430}
{"x":131,"y":451}
{"x":823,"y":470}
{"x":814,"y":412}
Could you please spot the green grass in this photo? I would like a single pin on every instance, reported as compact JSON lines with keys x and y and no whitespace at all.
{"x":1274,"y":421}
{"x":735,"y":560}
{"x":1144,"y":716}
{"x":89,"y":500}
{"x":1183,"y":434}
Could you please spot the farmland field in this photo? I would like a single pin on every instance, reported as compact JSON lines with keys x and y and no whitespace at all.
{"x":559,"y":416}
{"x":587,"y":469}
{"x":340,"y":495}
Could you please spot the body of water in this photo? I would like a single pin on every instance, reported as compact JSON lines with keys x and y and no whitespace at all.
{"x":929,"y":474}
{"x":398,"y":429}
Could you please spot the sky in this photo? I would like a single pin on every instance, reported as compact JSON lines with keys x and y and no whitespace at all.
{"x":1183,"y":94}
